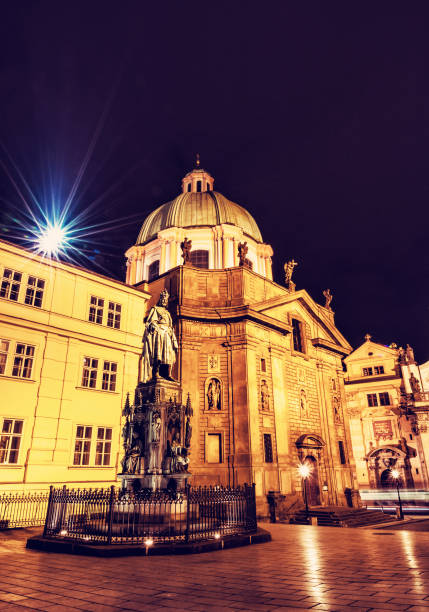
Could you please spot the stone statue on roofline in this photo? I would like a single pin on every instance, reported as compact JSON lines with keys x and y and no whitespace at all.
{"x":289,"y":268}
{"x":242,"y":253}
{"x":328,"y":298}
{"x":186,"y":247}
{"x":159,"y":342}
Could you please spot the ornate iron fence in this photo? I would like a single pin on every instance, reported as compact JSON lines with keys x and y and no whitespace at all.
{"x":23,"y":509}
{"x":111,"y":516}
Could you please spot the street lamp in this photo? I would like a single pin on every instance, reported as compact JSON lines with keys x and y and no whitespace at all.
{"x":304,"y":471}
{"x":396,"y":476}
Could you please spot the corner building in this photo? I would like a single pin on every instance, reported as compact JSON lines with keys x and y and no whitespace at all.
{"x":262,"y":363}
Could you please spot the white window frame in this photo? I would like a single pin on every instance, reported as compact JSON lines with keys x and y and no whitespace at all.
{"x":105,"y":374}
{"x":9,"y":283}
{"x":114,"y":314}
{"x":36,"y":291}
{"x":23,"y":358}
{"x":96,"y":306}
{"x":4,"y":352}
{"x":96,"y":446}
{"x":90,"y":368}
{"x":11,"y":435}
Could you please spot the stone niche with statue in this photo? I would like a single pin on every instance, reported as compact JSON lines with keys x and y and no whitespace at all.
{"x":157,"y":430}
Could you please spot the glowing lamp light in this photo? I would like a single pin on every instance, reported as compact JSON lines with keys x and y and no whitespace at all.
{"x":52,"y":239}
{"x":395,"y":474}
{"x":148,"y":542}
{"x":304,"y":470}
{"x":217,"y":536}
{"x":63,"y":532}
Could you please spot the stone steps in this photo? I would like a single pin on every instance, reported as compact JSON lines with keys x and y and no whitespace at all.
{"x":332,"y":516}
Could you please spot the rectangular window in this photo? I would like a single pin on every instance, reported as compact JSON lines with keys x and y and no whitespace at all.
{"x":372,"y":399}
{"x":367,"y":371}
{"x":82,"y":446}
{"x":214,"y":448}
{"x":153,"y":270}
{"x":23,"y":361}
{"x":89,"y":374}
{"x":104,"y":445}
{"x":114,"y":315}
{"x":342,"y":453}
{"x":34,"y":291}
{"x":298,"y":343}
{"x":384,"y":399}
{"x":10,"y":284}
{"x":96,"y":307}
{"x":378,"y":370}
{"x":109,"y":376}
{"x":10,"y":440}
{"x":4,"y":349}
{"x":263,"y":365}
{"x":268,"y":448}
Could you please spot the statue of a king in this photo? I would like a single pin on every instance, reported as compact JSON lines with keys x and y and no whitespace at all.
{"x":159,"y":342}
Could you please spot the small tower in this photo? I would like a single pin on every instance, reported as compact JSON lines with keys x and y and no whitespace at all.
{"x":198,"y":180}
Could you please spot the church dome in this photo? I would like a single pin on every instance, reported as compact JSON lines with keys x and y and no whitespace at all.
{"x":198,"y":209}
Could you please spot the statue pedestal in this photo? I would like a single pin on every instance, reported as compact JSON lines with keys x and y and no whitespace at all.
{"x":158,"y":424}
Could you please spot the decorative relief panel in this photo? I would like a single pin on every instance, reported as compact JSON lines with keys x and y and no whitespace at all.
{"x":265,"y":395}
{"x":213,"y":364}
{"x":383,"y":430}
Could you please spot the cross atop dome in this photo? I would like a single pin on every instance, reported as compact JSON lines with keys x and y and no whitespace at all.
{"x":198,"y":180}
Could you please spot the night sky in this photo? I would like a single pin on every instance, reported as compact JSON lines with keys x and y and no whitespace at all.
{"x":312,"y":115}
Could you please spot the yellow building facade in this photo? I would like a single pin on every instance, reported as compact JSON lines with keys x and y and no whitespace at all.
{"x":388,"y":410}
{"x":70,"y":346}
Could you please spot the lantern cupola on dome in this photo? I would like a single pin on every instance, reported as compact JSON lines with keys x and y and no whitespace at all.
{"x":214,"y":224}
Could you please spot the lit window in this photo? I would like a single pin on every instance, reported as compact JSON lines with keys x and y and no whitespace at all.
{"x":153,"y":270}
{"x":4,"y":349}
{"x":114,"y":315}
{"x":342,"y":453}
{"x":89,"y":374}
{"x":298,"y":343}
{"x":23,"y":362}
{"x":378,"y":370}
{"x":10,"y":440}
{"x":263,"y":365}
{"x":104,"y":445}
{"x":82,"y":445}
{"x":109,"y":376}
{"x":200,"y":259}
{"x":96,"y":307}
{"x":10,"y":285}
{"x":34,"y":291}
{"x":367,"y":371}
{"x":372,"y":399}
{"x":384,"y":399}
{"x":268,"y":448}
{"x":214,"y":448}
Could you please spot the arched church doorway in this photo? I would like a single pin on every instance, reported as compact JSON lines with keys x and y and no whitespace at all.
{"x":385,"y":479}
{"x":312,"y":482}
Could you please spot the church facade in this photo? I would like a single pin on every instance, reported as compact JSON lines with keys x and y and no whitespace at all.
{"x":261,"y":361}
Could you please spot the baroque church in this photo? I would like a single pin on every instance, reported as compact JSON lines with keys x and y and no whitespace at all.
{"x":261,"y":361}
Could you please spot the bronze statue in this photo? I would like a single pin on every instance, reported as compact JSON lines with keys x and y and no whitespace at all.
{"x":401,"y":355}
{"x":186,"y":247}
{"x":328,"y":298}
{"x":242,"y":252}
{"x":265,"y":396}
{"x":159,"y":342}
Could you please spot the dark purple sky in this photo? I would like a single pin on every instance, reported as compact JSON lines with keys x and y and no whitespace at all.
{"x":312,"y":115}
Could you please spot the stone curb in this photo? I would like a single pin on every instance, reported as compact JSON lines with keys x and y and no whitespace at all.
{"x":121,"y":550}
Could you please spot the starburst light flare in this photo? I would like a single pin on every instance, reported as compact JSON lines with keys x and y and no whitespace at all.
{"x":304,"y":470}
{"x":51,"y":240}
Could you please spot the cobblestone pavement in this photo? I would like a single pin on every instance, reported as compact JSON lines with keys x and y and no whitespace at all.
{"x":304,"y":567}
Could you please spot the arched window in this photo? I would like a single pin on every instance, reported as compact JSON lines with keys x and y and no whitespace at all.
{"x":200,"y":259}
{"x":153,"y":270}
